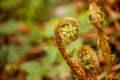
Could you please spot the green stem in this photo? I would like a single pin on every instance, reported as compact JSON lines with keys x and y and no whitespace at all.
{"x":104,"y":48}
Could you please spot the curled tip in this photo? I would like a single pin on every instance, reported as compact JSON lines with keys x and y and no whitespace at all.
{"x":88,"y":58}
{"x":68,"y":29}
{"x":95,"y":14}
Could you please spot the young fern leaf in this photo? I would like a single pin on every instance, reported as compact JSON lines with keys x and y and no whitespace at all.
{"x":96,"y":17}
{"x":66,"y":31}
{"x":69,"y":29}
{"x":89,"y":61}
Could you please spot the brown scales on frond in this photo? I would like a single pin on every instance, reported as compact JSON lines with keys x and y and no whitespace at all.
{"x":67,"y":31}
{"x":96,"y":17}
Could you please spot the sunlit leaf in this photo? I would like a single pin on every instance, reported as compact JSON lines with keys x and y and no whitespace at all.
{"x":31,"y":67}
{"x":85,"y":26}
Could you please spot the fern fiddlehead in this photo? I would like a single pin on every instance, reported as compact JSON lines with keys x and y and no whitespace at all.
{"x":89,"y":61}
{"x":96,"y":17}
{"x":66,"y":31}
{"x":69,"y":29}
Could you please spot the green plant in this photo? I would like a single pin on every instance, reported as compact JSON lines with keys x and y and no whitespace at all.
{"x":96,"y":17}
{"x":87,"y":64}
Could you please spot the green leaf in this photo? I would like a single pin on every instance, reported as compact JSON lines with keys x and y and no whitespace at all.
{"x":51,"y":55}
{"x":51,"y":27}
{"x":34,"y":70}
{"x":74,"y":44}
{"x":61,"y":67}
{"x":85,"y":26}
{"x":9,"y":27}
{"x":32,"y":76}
{"x":32,"y":67}
{"x":34,"y":37}
{"x":15,"y":52}
{"x":43,"y":34}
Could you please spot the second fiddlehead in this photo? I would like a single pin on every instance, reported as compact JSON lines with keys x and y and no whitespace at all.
{"x":89,"y":61}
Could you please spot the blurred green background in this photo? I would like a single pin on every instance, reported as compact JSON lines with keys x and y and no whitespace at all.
{"x":27,"y":47}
